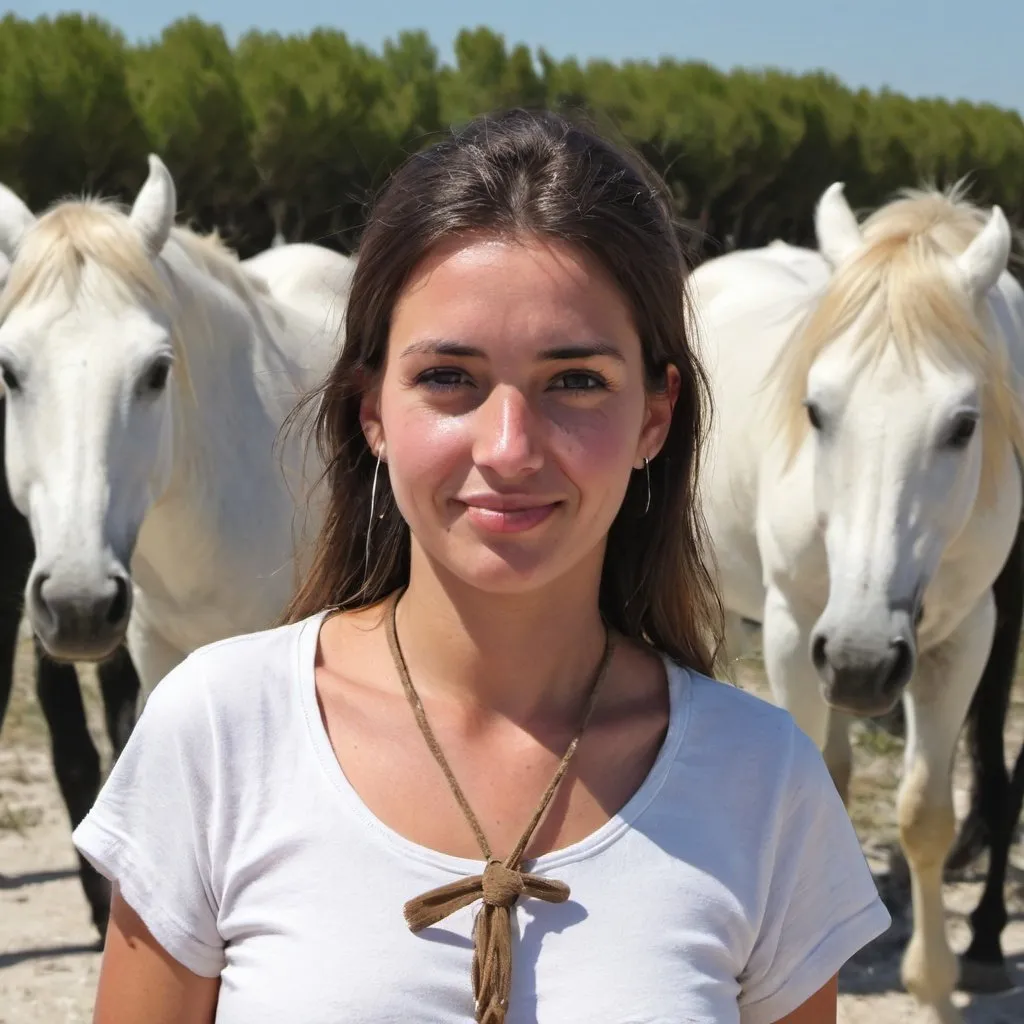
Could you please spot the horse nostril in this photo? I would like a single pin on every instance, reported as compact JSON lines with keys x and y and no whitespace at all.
{"x":902,"y":663}
{"x":118,"y":607}
{"x":818,"y":653}
{"x":42,"y":608}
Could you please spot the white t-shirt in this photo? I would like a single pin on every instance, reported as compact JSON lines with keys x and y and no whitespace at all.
{"x":729,"y":888}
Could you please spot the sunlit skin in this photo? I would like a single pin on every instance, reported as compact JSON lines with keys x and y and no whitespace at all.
{"x":511,"y":414}
{"x":512,"y":411}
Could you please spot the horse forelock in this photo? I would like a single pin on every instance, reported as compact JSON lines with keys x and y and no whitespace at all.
{"x":64,"y":241}
{"x":899,"y":292}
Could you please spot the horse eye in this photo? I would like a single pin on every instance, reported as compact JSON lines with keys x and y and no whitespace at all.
{"x":156,"y":376}
{"x":813,"y":414}
{"x":11,"y":381}
{"x":963,"y":431}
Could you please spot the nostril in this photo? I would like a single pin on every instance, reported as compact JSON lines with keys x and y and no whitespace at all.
{"x":118,"y":608}
{"x":818,"y":652}
{"x":39,"y":581}
{"x":902,"y":663}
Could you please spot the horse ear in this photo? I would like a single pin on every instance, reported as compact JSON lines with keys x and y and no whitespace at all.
{"x":15,"y":219}
{"x":981,"y":263}
{"x":836,"y":226}
{"x":155,"y":206}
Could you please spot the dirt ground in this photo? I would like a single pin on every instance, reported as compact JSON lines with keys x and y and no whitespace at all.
{"x":49,"y":964}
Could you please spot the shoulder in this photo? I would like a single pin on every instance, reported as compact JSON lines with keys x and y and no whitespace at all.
{"x":721,"y":711}
{"x":739,"y":742}
{"x":234,"y":678}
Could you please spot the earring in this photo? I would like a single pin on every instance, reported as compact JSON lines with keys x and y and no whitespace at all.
{"x":369,"y":525}
{"x":647,"y":470}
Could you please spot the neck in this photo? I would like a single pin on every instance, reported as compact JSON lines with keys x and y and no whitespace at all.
{"x":525,"y":656}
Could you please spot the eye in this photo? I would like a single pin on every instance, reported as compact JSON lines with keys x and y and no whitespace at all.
{"x":10,"y":378}
{"x":442,"y":378}
{"x":962,"y":432}
{"x":813,"y":414}
{"x":155,"y":378}
{"x":580,"y":380}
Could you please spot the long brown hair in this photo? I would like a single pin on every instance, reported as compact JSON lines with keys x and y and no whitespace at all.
{"x":527,"y":173}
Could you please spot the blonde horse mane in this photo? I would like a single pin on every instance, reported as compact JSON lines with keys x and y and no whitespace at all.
{"x":900,"y":288}
{"x":95,"y":231}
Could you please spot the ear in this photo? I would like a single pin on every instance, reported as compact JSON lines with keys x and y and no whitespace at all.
{"x":836,"y":226}
{"x":15,"y":219}
{"x":155,"y":206}
{"x":660,"y":406}
{"x":370,"y":421}
{"x":981,"y":263}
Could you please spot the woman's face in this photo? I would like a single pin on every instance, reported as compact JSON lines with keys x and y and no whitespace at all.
{"x":512,"y":410}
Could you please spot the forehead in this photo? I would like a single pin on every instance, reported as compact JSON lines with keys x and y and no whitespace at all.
{"x":875,"y":371}
{"x":504,"y":288}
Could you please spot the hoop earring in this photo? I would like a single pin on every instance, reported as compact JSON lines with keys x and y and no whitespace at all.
{"x":369,"y":525}
{"x":647,"y":470}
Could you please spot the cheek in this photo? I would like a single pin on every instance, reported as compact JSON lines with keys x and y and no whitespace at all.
{"x":425,"y":448}
{"x":593,"y":444}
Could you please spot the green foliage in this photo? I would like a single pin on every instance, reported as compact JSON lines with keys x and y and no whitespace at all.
{"x":296,"y":133}
{"x":186,"y":91}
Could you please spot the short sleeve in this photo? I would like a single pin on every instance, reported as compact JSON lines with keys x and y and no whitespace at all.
{"x":149,"y":830}
{"x":821,"y":903}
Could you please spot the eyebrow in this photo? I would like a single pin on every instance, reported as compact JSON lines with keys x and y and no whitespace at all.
{"x":586,"y":350}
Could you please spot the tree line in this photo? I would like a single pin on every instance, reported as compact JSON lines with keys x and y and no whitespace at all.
{"x":293,"y":134}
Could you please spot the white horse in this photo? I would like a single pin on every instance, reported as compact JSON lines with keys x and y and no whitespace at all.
{"x":862,"y":488}
{"x":148,"y":373}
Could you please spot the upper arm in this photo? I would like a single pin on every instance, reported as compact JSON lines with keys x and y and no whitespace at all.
{"x":141,"y":983}
{"x":821,"y":1008}
{"x":821,"y":904}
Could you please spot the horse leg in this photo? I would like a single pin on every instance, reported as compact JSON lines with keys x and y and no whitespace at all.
{"x":936,"y":701}
{"x":10,"y":620}
{"x":119,"y":685}
{"x":785,"y":639}
{"x":838,"y":752}
{"x":986,"y":717}
{"x":996,"y":799}
{"x":152,"y":656}
{"x":76,"y":763}
{"x":982,"y":967}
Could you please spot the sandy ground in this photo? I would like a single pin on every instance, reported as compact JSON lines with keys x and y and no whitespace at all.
{"x":49,"y":965}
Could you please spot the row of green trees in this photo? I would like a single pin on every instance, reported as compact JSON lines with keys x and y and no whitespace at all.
{"x":295,"y":133}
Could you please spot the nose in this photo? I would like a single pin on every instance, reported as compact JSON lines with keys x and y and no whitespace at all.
{"x":506,"y":438}
{"x":78,"y":622}
{"x":863,"y":678}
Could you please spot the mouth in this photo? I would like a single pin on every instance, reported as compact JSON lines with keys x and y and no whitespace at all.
{"x":507,"y":514}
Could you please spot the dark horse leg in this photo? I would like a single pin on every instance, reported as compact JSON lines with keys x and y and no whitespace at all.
{"x":119,"y":685}
{"x":76,"y":763}
{"x":986,"y":717}
{"x":995,"y":798}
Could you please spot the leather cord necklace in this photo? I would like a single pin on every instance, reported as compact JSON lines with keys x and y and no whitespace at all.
{"x":502,"y":882}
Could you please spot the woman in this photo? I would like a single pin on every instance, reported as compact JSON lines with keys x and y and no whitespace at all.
{"x":337,"y":820}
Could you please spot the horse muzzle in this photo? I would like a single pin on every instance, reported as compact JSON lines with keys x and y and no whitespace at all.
{"x":76,"y":622}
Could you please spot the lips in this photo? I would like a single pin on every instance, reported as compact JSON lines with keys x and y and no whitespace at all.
{"x":507,"y":513}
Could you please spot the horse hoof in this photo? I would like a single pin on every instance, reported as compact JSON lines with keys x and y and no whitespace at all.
{"x":983,"y":976}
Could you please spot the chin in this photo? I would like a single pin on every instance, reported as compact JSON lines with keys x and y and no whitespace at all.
{"x":511,"y":571}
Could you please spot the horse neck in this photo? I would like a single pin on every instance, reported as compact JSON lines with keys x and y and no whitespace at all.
{"x":223,"y":342}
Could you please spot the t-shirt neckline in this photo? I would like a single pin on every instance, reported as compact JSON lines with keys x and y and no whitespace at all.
{"x":617,"y":825}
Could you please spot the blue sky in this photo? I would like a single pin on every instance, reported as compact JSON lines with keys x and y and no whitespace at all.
{"x":972,"y":50}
